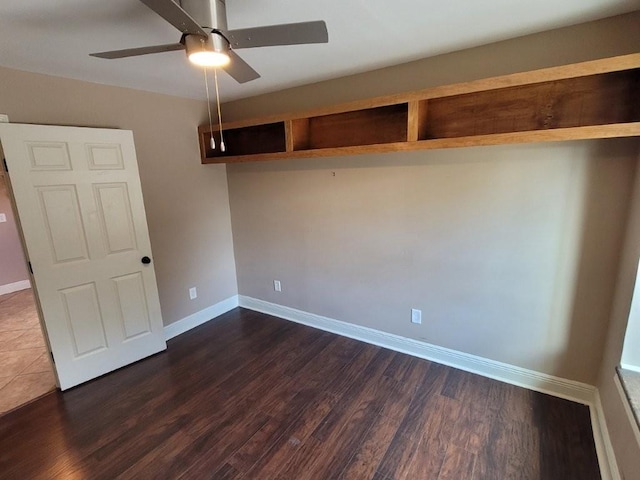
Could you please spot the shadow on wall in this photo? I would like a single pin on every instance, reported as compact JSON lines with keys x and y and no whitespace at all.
{"x":605,"y":202}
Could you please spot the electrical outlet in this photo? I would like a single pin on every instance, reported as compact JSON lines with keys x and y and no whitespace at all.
{"x":3,"y":218}
{"x":4,"y":118}
{"x":416,"y":316}
{"x":276,"y":286}
{"x":193,"y":293}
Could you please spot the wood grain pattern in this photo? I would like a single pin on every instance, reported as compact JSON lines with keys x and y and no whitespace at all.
{"x":418,"y":120}
{"x":589,"y":94}
{"x":288,"y":135}
{"x":251,"y":396}
{"x":413,"y":121}
{"x":575,"y":102}
{"x":362,"y":127}
{"x":550,"y":135}
{"x":300,"y":134}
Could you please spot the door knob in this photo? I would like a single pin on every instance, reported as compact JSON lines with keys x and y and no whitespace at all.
{"x":146,"y":260}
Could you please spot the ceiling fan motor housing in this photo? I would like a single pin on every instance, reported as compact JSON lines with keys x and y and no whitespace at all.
{"x":213,"y":43}
{"x":208,"y":13}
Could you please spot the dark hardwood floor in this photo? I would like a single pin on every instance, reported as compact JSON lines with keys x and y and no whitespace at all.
{"x":254,"y":397}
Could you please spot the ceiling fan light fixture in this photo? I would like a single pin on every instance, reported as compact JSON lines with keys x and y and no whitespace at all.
{"x":207,"y":52}
{"x":209,"y":59}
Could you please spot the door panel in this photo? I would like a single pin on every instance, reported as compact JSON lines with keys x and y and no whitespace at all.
{"x":105,"y":157}
{"x":61,"y":214}
{"x":84,"y":318}
{"x":114,"y":209}
{"x":79,"y":201}
{"x":48,"y":156}
{"x":133,"y":305}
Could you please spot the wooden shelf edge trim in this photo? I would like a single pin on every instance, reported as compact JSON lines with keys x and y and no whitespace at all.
{"x":592,"y":67}
{"x":534,"y":136}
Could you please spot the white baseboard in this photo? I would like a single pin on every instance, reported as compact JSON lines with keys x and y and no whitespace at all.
{"x":522,"y":377}
{"x":627,"y":408}
{"x":540,"y":382}
{"x":14,"y":287}
{"x":604,"y":447}
{"x":203,"y":316}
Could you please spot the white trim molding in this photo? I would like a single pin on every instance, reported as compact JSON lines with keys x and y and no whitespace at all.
{"x":604,"y":447}
{"x":14,"y":287}
{"x":626,"y":404}
{"x":522,"y":377}
{"x":203,"y":316}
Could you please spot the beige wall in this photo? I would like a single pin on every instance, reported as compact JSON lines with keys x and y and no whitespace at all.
{"x":187,"y":203}
{"x":512,"y":252}
{"x":12,"y":263}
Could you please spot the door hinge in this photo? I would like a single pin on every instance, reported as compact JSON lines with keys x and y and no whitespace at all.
{"x":30,"y":268}
{"x":52,"y":359}
{"x":4,"y":162}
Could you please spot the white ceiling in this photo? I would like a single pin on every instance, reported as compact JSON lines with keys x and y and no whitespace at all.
{"x":56,"y":36}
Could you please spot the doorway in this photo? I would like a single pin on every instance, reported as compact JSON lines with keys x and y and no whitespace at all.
{"x":25,"y":369}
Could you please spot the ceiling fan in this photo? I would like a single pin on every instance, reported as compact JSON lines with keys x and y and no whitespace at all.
{"x":208,"y":42}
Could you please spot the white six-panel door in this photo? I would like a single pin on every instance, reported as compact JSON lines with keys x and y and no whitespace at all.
{"x":79,"y":202}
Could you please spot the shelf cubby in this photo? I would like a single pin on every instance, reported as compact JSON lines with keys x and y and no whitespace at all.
{"x":249,"y":140}
{"x":370,"y":126}
{"x":571,"y":102}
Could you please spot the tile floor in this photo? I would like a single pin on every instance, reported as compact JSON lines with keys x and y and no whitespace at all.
{"x":25,"y":372}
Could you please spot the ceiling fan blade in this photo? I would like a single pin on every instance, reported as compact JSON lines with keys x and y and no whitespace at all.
{"x":285,"y":34}
{"x":240,"y":70}
{"x":133,"y":52}
{"x":176,"y":16}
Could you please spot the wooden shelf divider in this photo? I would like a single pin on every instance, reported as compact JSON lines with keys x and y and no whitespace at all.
{"x":301,"y":134}
{"x":413,"y":121}
{"x":597,"y":99}
{"x":288,"y":135}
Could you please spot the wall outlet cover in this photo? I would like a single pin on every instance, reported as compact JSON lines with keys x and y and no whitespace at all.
{"x":416,"y":316}
{"x":277,"y":286}
{"x":193,"y":293}
{"x":4,"y":118}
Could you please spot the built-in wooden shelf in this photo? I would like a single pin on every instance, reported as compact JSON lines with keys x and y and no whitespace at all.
{"x":597,"y":99}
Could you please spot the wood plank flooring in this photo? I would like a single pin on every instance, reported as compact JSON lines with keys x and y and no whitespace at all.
{"x":251,"y":396}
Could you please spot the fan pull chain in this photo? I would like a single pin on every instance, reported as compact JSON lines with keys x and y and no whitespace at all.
{"x":212,"y":141}
{"x":215,"y":75}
